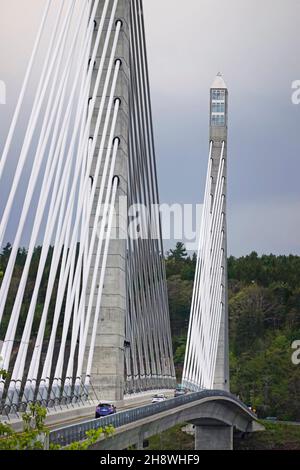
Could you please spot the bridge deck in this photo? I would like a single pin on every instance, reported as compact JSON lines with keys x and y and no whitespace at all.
{"x":77,"y":432}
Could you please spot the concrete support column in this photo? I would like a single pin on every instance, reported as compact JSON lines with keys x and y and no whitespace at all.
{"x":107,"y":375}
{"x":218,"y":137}
{"x":139,"y":445}
{"x":213,"y":437}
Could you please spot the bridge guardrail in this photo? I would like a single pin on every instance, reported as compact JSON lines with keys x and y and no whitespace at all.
{"x":77,"y":432}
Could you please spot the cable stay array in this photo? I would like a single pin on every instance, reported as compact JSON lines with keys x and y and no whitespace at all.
{"x":63,"y":192}
{"x":208,"y":300}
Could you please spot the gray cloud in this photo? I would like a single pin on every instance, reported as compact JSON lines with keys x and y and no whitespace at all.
{"x":256,"y":46}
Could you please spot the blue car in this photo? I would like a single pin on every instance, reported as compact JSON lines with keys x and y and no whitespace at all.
{"x":105,"y":409}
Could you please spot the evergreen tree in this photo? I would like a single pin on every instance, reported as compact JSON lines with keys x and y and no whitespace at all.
{"x":179,"y":253}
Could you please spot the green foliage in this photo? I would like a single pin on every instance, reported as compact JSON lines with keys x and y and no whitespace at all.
{"x":179,"y":253}
{"x":92,"y":437}
{"x":266,"y":269}
{"x":34,"y":419}
{"x":3,"y":373}
{"x":19,"y":265}
{"x":276,"y":436}
{"x":180,"y":294}
{"x":264,"y":311}
{"x":33,"y":435}
{"x":263,"y":323}
{"x":179,"y":348}
{"x":173,"y":439}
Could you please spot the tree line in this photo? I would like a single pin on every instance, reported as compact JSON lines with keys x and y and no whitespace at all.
{"x":264,"y":316}
{"x":264,"y":321}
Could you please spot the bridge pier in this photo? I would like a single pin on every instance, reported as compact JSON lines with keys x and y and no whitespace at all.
{"x":139,"y":445}
{"x":213,"y":437}
{"x":107,"y":374}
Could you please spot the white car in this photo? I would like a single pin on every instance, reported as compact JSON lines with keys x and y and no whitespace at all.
{"x":159,"y":398}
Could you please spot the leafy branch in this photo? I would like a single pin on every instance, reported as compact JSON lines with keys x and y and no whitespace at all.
{"x":34,"y":432}
{"x":92,"y":437}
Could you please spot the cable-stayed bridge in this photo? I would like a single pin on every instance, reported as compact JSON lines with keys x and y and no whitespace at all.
{"x":97,"y":323}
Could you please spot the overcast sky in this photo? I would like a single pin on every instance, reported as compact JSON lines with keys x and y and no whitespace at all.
{"x":255,"y":44}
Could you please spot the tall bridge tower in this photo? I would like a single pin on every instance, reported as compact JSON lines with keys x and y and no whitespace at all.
{"x":207,"y":355}
{"x":95,"y":319}
{"x":131,"y":334}
{"x":218,"y":133}
{"x":107,"y":367}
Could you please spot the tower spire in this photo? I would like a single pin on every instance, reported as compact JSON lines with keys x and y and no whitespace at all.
{"x":219,"y":82}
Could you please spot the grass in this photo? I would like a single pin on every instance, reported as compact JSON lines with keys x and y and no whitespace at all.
{"x":277,"y":436}
{"x":173,"y":439}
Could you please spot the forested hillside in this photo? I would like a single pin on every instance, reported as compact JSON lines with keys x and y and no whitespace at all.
{"x":19,"y":265}
{"x":264,"y":309}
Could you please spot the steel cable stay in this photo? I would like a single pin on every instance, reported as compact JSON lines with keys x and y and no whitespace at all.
{"x":11,"y":330}
{"x":78,"y":215}
{"x":200,"y":359}
{"x":90,"y":118}
{"x":41,"y":205}
{"x":24,"y":87}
